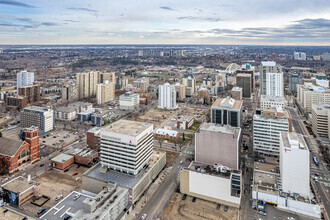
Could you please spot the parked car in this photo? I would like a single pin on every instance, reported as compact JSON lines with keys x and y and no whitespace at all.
{"x":41,"y":211}
{"x":218,"y":207}
{"x":262,"y":212}
{"x":76,"y":173}
{"x":184,"y":196}
{"x":317,"y":174}
{"x":226,"y":208}
{"x":78,"y":178}
{"x":144,"y":216}
{"x":76,"y":197}
{"x":194,"y":199}
{"x":41,"y":165}
{"x":58,"y":197}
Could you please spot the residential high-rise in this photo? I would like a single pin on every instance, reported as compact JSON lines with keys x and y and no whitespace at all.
{"x":167,"y":96}
{"x":121,"y":81}
{"x":87,"y":84}
{"x":126,"y":146}
{"x":106,"y":76}
{"x":16,"y":100}
{"x":267,"y":67}
{"x":32,"y":93}
{"x":180,"y":91}
{"x":24,"y":78}
{"x":294,"y":80}
{"x":218,"y":144}
{"x":309,"y":94}
{"x":244,"y":81}
{"x":105,"y":92}
{"x":294,"y":164}
{"x":140,"y":53}
{"x":69,"y":92}
{"x":129,"y":101}
{"x":299,"y":55}
{"x":202,"y":93}
{"x":189,"y":82}
{"x":248,"y":69}
{"x":41,"y":117}
{"x":267,"y":128}
{"x":321,"y":119}
{"x":274,"y":84}
{"x":227,"y":111}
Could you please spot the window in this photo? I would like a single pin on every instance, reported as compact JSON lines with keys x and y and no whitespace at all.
{"x":24,"y":153}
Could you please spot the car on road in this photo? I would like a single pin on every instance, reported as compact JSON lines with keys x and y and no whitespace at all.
{"x":316,"y":179}
{"x":76,"y":197}
{"x":317,"y":174}
{"x":58,"y":197}
{"x":226,"y":208}
{"x":184,"y":196}
{"x":41,"y":211}
{"x":194,"y":199}
{"x":218,"y":207}
{"x":43,"y":141}
{"x":76,"y":173}
{"x":144,"y":216}
{"x":41,"y":165}
{"x":262,"y":212}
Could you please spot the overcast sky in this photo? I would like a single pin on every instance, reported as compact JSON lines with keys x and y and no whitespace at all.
{"x":255,"y":22}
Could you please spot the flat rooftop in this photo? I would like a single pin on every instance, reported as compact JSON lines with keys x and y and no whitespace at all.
{"x":61,"y":158}
{"x":237,"y":89}
{"x":293,"y":140}
{"x":89,"y":111}
{"x":122,"y":179}
{"x":65,"y":206}
{"x":127,"y":127}
{"x":211,"y":170}
{"x":12,"y":214}
{"x":269,"y":98}
{"x":37,"y":108}
{"x":268,"y":63}
{"x":227,"y":103}
{"x":265,"y":182}
{"x":226,"y":129}
{"x":271,"y":168}
{"x":185,"y":118}
{"x":18,"y":185}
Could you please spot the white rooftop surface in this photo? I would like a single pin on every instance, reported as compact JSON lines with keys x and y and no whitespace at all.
{"x":127,"y":127}
{"x":268,"y":63}
{"x":62,"y":158}
{"x":270,"y":98}
{"x":219,"y":128}
{"x":162,"y":131}
{"x":293,"y":140}
{"x":238,"y":89}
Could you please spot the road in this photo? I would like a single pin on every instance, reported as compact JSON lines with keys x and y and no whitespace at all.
{"x":158,"y":201}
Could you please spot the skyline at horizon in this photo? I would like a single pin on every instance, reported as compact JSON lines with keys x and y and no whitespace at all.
{"x":256,"y":23}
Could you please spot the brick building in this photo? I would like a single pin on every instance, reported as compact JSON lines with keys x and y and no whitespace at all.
{"x":18,"y":101}
{"x":62,"y":161}
{"x":32,"y":93}
{"x":185,"y":122}
{"x":83,"y":156}
{"x":166,"y":134}
{"x":14,"y":153}
{"x":93,"y":138}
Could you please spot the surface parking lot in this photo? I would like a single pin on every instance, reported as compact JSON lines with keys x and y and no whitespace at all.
{"x":58,"y":138}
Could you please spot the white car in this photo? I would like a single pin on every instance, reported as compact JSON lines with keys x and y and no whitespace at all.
{"x":58,"y":197}
{"x":144,"y":216}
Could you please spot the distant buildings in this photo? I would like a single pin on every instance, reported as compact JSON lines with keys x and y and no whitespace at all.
{"x":244,"y":81}
{"x":129,"y":101}
{"x":267,"y":129}
{"x":274,"y":84}
{"x":14,"y":153}
{"x":309,"y":94}
{"x":126,"y":146}
{"x":41,"y":117}
{"x":227,"y":111}
{"x":236,"y":93}
{"x":142,"y":84}
{"x":326,"y":56}
{"x":294,"y":164}
{"x":24,"y":78}
{"x":121,"y":82}
{"x":271,"y":101}
{"x":299,"y":56}
{"x":267,"y":67}
{"x":140,"y":53}
{"x":32,"y":93}
{"x":167,"y":97}
{"x":202,"y":93}
{"x":105,"y":92}
{"x":69,"y":92}
{"x":321,"y":119}
{"x":294,"y":80}
{"x":218,"y":144}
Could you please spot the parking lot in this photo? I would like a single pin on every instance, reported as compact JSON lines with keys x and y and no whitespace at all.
{"x":54,"y":183}
{"x":200,"y":209}
{"x":59,"y":138}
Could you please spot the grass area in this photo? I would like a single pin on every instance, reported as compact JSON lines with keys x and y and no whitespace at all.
{"x":194,"y":127}
{"x":160,"y":75}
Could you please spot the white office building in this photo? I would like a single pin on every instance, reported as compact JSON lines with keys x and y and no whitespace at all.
{"x":24,"y":78}
{"x":271,"y":101}
{"x":299,"y":55}
{"x":129,"y":101}
{"x":267,"y":128}
{"x":267,"y":67}
{"x":126,"y":146}
{"x":167,"y":97}
{"x":274,"y":84}
{"x":294,"y":164}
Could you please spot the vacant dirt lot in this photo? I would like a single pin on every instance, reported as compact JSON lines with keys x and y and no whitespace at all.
{"x":171,"y":156}
{"x":54,"y":183}
{"x":156,"y":116}
{"x":178,"y":209}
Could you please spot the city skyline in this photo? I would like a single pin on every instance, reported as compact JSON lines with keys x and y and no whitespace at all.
{"x":255,"y":22}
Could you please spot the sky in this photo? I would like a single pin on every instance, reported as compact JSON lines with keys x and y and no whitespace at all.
{"x":234,"y":22}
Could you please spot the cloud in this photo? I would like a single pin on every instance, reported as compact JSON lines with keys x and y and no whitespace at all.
{"x":167,"y":8}
{"x":23,"y":19}
{"x":16,"y":3}
{"x":83,"y":9}
{"x":48,"y":24}
{"x":71,"y":21}
{"x":193,"y":18}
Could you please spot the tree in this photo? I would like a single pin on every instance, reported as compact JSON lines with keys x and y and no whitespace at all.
{"x":183,"y":138}
{"x":0,"y":134}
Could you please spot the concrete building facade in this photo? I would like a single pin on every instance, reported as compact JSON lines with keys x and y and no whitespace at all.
{"x":167,"y":97}
{"x":274,"y":84}
{"x":24,"y":78}
{"x":321,"y":119}
{"x":129,"y":101}
{"x":41,"y":117}
{"x":32,"y":93}
{"x":105,"y":92}
{"x":227,"y":111}
{"x":267,"y":67}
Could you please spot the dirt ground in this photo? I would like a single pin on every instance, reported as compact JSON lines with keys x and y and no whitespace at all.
{"x":54,"y":183}
{"x":156,"y":116}
{"x":170,"y":156}
{"x":201,"y":209}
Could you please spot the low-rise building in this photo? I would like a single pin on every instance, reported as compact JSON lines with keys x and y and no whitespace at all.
{"x":237,"y":93}
{"x":212,"y":182}
{"x":166,"y":134}
{"x":83,"y":156}
{"x":227,"y":111}
{"x":185,"y":122}
{"x":17,"y":101}
{"x":102,"y":117}
{"x":65,"y":113}
{"x":86,"y":115}
{"x":267,"y":101}
{"x":62,"y":161}
{"x":80,"y":106}
{"x":129,"y":101}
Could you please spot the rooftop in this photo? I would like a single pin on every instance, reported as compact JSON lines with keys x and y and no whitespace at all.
{"x":270,"y":98}
{"x":266,"y":167}
{"x":89,"y":111}
{"x":18,"y":185}
{"x":95,"y":130}
{"x":268,"y":63}
{"x":212,"y":169}
{"x":122,"y":179}
{"x":37,"y":108}
{"x":163,"y":131}
{"x":127,"y":127}
{"x":265,"y":182}
{"x":65,"y":109}
{"x":293,"y":140}
{"x":185,"y":118}
{"x":79,"y":104}
{"x":238,"y":89}
{"x":226,"y":129}
{"x":323,"y":106}
{"x":9,"y":146}
{"x":243,"y":75}
{"x":62,"y":158}
{"x":228,"y":103}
